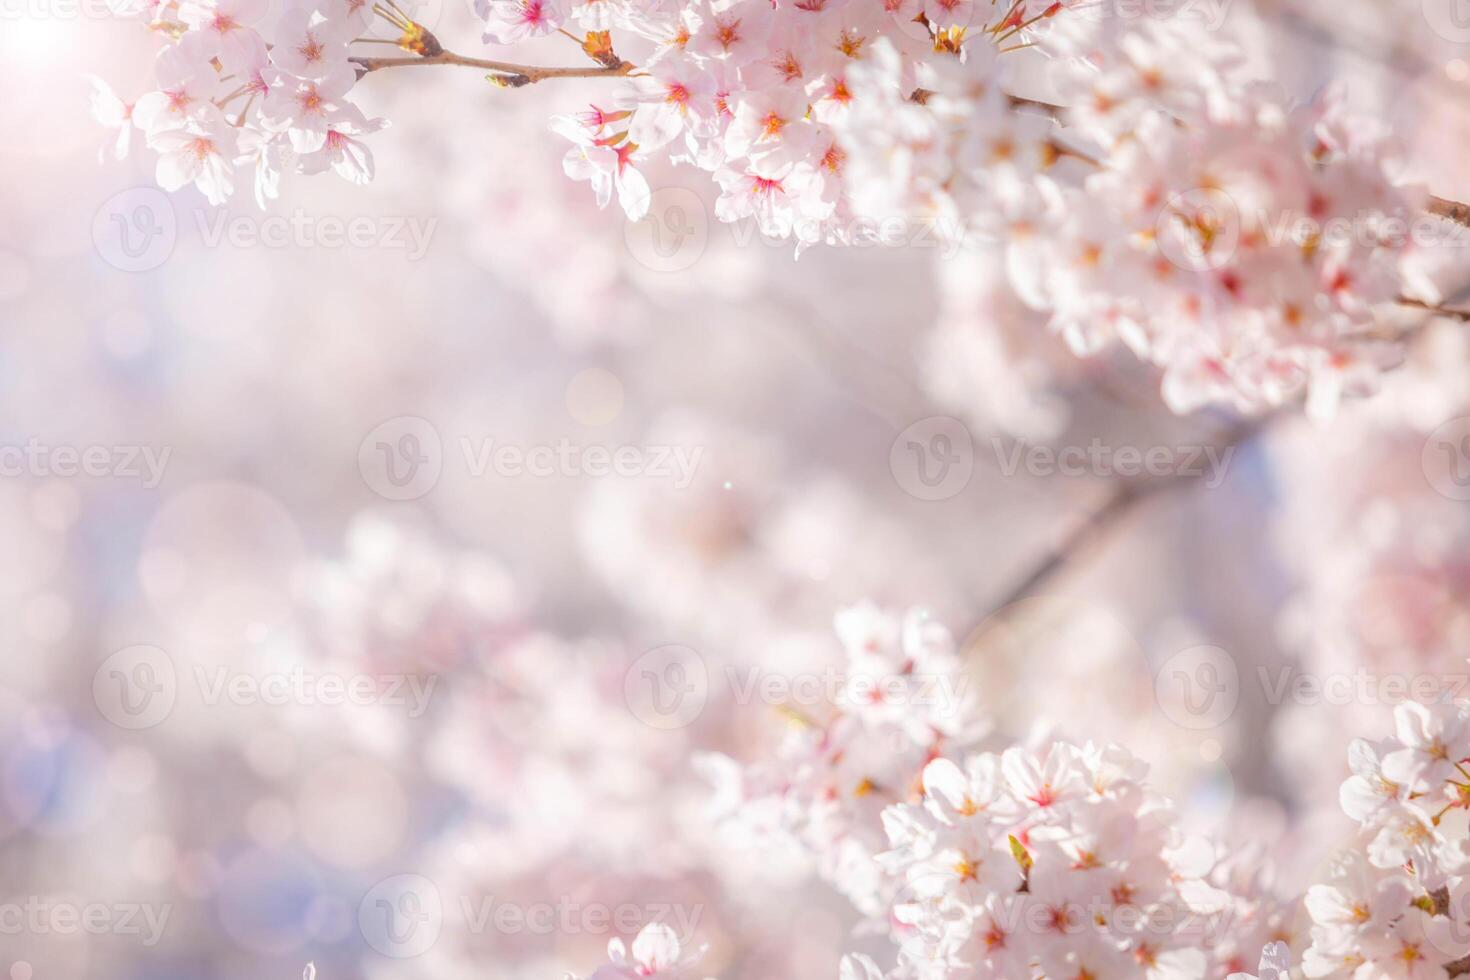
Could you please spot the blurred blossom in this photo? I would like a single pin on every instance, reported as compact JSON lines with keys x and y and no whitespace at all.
{"x":726,"y":614}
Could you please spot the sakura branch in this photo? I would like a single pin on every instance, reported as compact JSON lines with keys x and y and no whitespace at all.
{"x":427,"y":51}
{"x":1117,"y":202}
{"x":514,"y":75}
{"x":1058,"y":859}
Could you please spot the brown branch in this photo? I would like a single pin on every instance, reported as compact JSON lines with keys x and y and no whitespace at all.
{"x":514,"y":75}
{"x":1463,"y":315}
{"x":1453,"y":210}
{"x":1078,"y":539}
{"x":1020,"y":101}
{"x":1083,"y":536}
{"x":426,"y":50}
{"x":1458,"y":968}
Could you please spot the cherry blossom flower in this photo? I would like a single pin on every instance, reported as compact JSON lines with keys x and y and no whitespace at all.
{"x":201,"y":152}
{"x":513,"y":21}
{"x":1162,"y":198}
{"x":1275,"y":964}
{"x":227,"y":28}
{"x":308,"y":46}
{"x":655,"y":953}
{"x":608,"y":163}
{"x":342,"y":150}
{"x":305,"y":109}
{"x":113,"y":113}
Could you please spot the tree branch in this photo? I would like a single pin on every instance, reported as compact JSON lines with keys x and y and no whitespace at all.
{"x":426,"y":50}
{"x":1121,"y":500}
{"x":515,"y":75}
{"x":1453,"y":210}
{"x":1463,"y":315}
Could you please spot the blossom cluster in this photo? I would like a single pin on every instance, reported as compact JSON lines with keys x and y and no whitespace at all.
{"x":243,"y":96}
{"x":1160,"y":197}
{"x":1057,"y":859}
{"x":834,"y":776}
{"x":655,"y":952}
{"x":1060,"y":862}
{"x":1396,"y":906}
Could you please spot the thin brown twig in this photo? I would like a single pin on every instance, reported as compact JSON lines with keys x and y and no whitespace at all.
{"x":514,"y":73}
{"x":1122,"y":498}
{"x":1453,"y":210}
{"x":1462,"y":315}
